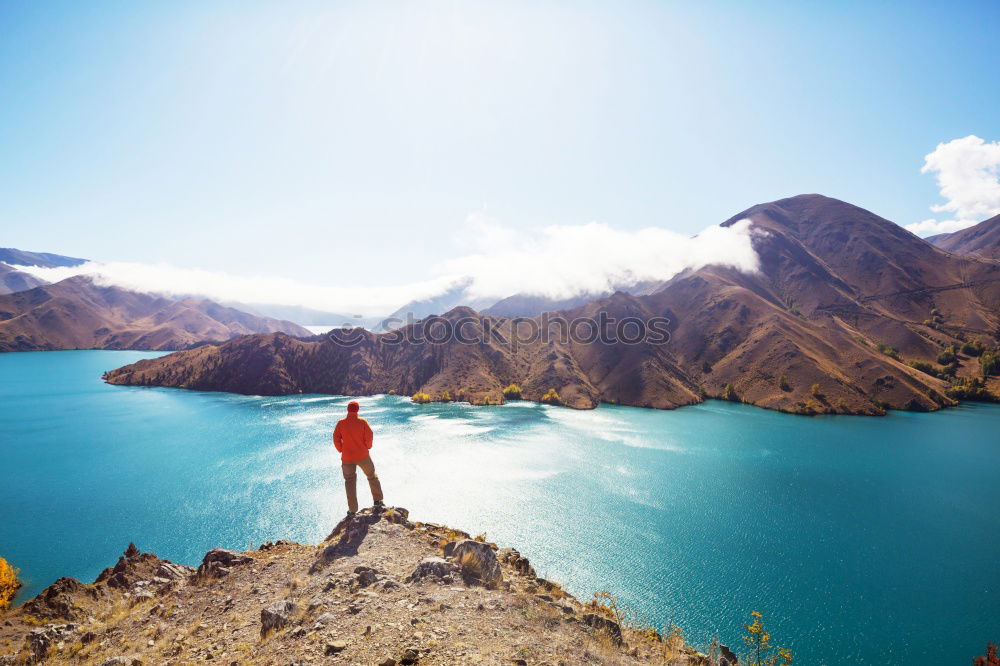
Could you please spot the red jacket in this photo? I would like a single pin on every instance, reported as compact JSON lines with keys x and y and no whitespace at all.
{"x":353,"y":438}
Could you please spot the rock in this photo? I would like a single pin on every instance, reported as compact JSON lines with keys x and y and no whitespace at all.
{"x":727,"y":657}
{"x":409,"y":656}
{"x":477,"y":561}
{"x":516,"y":561}
{"x":276,"y":616}
{"x":39,"y":640}
{"x":387,"y":662}
{"x":171,"y":571}
{"x":602,"y":623}
{"x":366,"y":576}
{"x":333,"y":647}
{"x":325,"y":618}
{"x":434,"y":568}
{"x":144,"y":595}
{"x":218,"y":561}
{"x":122,"y":661}
{"x":56,"y":601}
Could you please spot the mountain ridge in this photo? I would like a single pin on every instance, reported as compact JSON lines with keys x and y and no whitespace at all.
{"x":803,"y":334}
{"x":77,"y":313}
{"x":982,"y":240}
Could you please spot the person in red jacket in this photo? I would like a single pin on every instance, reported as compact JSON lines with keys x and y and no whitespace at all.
{"x":353,"y":438}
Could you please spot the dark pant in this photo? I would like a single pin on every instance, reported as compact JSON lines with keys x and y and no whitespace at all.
{"x":351,"y":482}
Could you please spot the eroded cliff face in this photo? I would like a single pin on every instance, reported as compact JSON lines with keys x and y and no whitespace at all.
{"x":380,"y":589}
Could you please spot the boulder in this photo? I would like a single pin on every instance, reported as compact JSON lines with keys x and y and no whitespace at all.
{"x":325,"y":618}
{"x":366,"y":576}
{"x":276,"y":615}
{"x":170,"y":571}
{"x":218,"y":561}
{"x":333,"y":647}
{"x":516,"y":561}
{"x":433,"y":568}
{"x":727,"y":657}
{"x":477,"y":561}
{"x":605,"y":624}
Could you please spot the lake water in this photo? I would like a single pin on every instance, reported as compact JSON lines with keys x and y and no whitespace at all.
{"x":862,"y":540}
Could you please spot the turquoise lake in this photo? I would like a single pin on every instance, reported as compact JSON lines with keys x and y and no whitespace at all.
{"x":862,"y":540}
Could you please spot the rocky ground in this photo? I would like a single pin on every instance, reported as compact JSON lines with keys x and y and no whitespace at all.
{"x":379,"y":590}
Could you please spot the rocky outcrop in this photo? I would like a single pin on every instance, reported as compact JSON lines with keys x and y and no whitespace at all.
{"x":381,"y":589}
{"x":218,"y":563}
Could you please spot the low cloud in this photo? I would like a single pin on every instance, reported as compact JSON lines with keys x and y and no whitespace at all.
{"x":968,"y":175}
{"x":565,"y":261}
{"x":557,"y":261}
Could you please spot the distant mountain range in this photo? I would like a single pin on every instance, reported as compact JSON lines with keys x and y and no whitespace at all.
{"x":12,"y":280}
{"x":10,"y":255}
{"x":981,"y":240}
{"x":76,"y":313}
{"x":842,"y":301}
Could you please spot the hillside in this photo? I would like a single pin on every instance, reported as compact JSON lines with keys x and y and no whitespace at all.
{"x":10,"y":255}
{"x":379,"y":589}
{"x":981,"y":240}
{"x":805,"y":334}
{"x":13,"y":280}
{"x":76,"y":313}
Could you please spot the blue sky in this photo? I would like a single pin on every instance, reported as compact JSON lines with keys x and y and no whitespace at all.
{"x":357,"y":143}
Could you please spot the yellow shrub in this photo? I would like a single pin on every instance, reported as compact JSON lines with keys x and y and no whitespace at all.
{"x":9,"y":583}
{"x":421,"y":398}
{"x":512,"y":392}
{"x":552,"y":397}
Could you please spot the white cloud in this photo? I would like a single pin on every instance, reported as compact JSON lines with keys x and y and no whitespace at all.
{"x":564,"y":261}
{"x":557,"y":261}
{"x":968,"y":174}
{"x":167,"y":279}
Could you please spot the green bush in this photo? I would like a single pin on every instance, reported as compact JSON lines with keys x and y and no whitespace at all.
{"x":783,"y":383}
{"x":888,"y":350}
{"x":971,"y":389}
{"x":948,"y":356}
{"x":973,"y":348}
{"x":989,"y":363}
{"x":924,"y":366}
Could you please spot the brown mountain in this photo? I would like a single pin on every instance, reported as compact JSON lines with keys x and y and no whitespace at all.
{"x":13,"y":280}
{"x":802,"y":334}
{"x":11,"y":255}
{"x":76,"y":313}
{"x":981,"y":240}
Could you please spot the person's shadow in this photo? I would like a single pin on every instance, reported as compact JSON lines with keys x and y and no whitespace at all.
{"x":346,"y":538}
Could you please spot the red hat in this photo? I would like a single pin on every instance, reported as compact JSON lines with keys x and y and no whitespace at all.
{"x":353,"y":407}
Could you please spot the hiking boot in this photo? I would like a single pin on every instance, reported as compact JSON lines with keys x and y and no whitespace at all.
{"x":351,"y":514}
{"x":379,"y":505}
